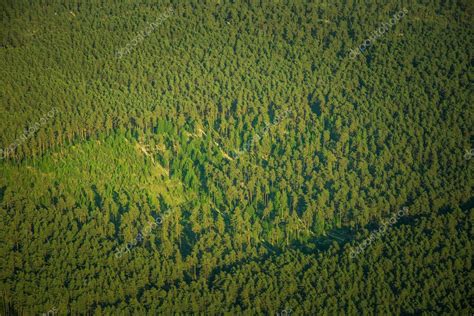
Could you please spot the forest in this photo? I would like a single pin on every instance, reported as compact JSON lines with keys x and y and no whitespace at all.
{"x":236,"y":157}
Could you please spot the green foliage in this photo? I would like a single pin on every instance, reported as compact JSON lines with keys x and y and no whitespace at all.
{"x":248,"y":129}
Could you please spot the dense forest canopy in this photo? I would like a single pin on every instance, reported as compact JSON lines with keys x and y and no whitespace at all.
{"x":230,"y":157}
